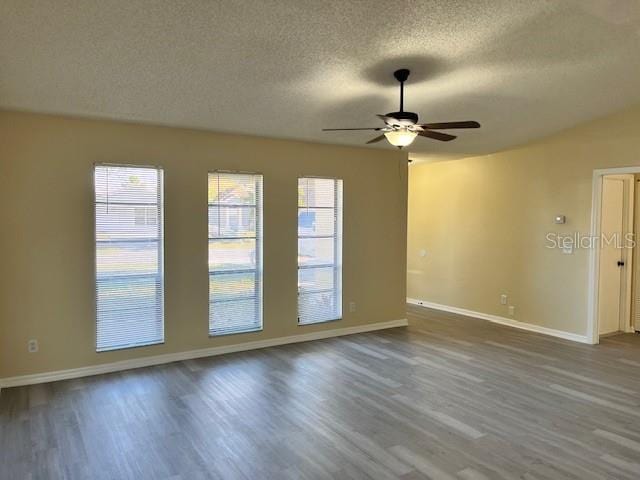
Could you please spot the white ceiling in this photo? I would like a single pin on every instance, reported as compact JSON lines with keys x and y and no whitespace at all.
{"x":523,"y":68}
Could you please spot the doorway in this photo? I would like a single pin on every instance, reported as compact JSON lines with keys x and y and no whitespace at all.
{"x":611,"y":295}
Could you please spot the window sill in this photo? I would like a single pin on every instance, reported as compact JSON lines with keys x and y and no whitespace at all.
{"x":319,"y":322}
{"x":128,"y":347}
{"x":225,"y":334}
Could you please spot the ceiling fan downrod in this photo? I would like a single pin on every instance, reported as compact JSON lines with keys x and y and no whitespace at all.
{"x":401,"y":75}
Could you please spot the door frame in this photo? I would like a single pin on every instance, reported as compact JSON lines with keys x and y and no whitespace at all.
{"x":593,"y":333}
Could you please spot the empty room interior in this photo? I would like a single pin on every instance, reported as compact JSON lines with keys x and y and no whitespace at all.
{"x":320,"y":240}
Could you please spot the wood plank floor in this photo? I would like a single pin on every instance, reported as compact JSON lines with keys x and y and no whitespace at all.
{"x":448,"y":398}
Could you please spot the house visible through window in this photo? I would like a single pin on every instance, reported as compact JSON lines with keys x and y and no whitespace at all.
{"x":129,"y":256}
{"x":235,"y":253}
{"x":146,"y":216}
{"x":319,"y":250}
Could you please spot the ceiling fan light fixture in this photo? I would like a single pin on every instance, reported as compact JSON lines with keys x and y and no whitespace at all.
{"x":401,"y":137}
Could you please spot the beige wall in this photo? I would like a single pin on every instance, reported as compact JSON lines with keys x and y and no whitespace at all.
{"x":483,"y":223}
{"x":46,"y":217}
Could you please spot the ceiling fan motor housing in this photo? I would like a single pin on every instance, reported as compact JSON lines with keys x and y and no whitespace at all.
{"x":407,"y":118}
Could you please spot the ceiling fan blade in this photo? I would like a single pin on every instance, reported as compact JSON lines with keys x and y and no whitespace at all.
{"x":375,"y":140}
{"x":341,"y":129}
{"x":443,"y":137}
{"x":448,"y":125}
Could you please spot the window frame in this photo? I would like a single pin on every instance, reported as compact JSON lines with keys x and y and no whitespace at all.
{"x":338,"y":245}
{"x":161,"y":251}
{"x":259,"y":247}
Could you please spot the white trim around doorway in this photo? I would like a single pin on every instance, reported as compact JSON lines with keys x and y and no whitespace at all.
{"x":594,"y":253}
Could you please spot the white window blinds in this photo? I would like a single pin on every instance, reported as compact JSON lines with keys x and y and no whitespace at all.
{"x":319,"y":250}
{"x":235,"y":253}
{"x":129,"y":256}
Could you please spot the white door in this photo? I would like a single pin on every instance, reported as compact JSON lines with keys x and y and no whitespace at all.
{"x":611,"y":227}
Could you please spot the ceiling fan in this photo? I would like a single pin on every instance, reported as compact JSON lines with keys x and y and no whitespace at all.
{"x":401,"y":128}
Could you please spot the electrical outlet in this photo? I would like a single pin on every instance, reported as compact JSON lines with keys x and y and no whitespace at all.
{"x":352,"y":307}
{"x":32,"y":346}
{"x":503,"y":299}
{"x":512,"y":311}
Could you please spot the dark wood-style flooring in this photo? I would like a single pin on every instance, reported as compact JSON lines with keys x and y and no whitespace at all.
{"x":448,"y":398}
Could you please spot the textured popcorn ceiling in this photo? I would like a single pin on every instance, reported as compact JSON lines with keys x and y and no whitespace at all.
{"x":523,"y":68}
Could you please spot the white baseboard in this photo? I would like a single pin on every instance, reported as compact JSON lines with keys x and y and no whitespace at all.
{"x":574,"y":337}
{"x":204,"y":352}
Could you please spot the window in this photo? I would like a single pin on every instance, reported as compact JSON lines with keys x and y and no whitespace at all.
{"x":319,"y":250}
{"x":129,"y":256}
{"x":235,"y":253}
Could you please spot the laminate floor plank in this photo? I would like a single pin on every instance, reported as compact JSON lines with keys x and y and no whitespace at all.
{"x":449,"y":397}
